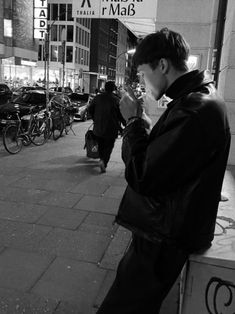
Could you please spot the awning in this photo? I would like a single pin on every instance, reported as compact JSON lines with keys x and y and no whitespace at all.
{"x":139,"y":27}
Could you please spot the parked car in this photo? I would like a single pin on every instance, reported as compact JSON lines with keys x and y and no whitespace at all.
{"x":26,"y":100}
{"x":23,"y":89}
{"x":5,"y":94}
{"x":58,"y":90}
{"x":80,"y":102}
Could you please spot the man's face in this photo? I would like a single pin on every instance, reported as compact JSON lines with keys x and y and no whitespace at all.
{"x":155,"y":80}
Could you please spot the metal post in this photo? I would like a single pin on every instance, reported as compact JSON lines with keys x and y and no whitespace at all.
{"x":47,"y":67}
{"x":63,"y":64}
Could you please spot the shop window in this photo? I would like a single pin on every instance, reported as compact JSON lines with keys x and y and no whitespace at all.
{"x":69,"y":13}
{"x":54,"y":36}
{"x":54,"y":11}
{"x":62,"y":12}
{"x":70,"y":33}
{"x":69,"y":54}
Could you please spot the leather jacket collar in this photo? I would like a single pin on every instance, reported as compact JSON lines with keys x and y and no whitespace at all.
{"x":188,"y":82}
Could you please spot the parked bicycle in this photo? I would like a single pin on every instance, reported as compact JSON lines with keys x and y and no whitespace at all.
{"x":31,"y":128}
{"x":62,"y":119}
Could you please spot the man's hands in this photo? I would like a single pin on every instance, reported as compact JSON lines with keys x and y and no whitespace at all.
{"x":130,"y":106}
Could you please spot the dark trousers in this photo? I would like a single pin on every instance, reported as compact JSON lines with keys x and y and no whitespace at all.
{"x":105,"y":147}
{"x":144,"y":277}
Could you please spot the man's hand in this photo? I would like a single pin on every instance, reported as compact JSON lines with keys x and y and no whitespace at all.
{"x":130,"y":106}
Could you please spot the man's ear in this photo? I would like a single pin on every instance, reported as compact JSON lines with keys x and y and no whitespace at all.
{"x":164,"y":65}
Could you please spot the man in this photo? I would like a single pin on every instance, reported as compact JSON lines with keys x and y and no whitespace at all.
{"x":174,"y":175}
{"x":107,"y":118}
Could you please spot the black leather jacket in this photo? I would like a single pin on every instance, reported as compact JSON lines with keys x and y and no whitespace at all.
{"x":175,"y":174}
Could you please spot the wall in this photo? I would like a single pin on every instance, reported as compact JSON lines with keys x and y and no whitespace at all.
{"x":196,"y":21}
{"x":227,"y":72}
{"x":23,"y":25}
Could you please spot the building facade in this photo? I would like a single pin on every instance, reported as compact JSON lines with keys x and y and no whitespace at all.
{"x":76,"y":34}
{"x":18,"y":48}
{"x":104,"y":40}
{"x":121,"y":60}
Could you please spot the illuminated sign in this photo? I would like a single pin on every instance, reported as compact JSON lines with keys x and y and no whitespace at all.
{"x":40,"y":18}
{"x":115,"y":8}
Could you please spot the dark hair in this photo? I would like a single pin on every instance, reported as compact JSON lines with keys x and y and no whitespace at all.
{"x":110,"y":86}
{"x":162,"y":44}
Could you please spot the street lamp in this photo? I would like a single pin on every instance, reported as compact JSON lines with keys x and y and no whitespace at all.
{"x":121,"y":75}
{"x":47,"y":47}
{"x":63,"y":39}
{"x":129,"y":52}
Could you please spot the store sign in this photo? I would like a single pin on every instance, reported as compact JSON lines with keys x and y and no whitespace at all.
{"x":40,"y":18}
{"x":115,"y":8}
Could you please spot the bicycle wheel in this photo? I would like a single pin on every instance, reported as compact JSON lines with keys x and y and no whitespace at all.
{"x":39,"y":132}
{"x":11,"y":141}
{"x":58,"y":127}
{"x":68,"y":122}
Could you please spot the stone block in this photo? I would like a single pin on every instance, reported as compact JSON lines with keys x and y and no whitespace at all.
{"x":72,"y":281}
{"x":78,"y":245}
{"x":20,"y":270}
{"x":104,"y":205}
{"x":63,"y":217}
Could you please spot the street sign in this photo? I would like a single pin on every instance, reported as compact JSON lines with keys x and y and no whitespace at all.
{"x":40,"y":18}
{"x":115,"y":8}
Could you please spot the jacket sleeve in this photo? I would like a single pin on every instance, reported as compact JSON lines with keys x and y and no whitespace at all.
{"x":158,"y":164}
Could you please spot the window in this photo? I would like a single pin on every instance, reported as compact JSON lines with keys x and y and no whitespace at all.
{"x":70,"y":33}
{"x":54,"y":53}
{"x":62,"y":12}
{"x":40,"y":53}
{"x":8,"y":4}
{"x":77,"y":34}
{"x":54,"y":33}
{"x":76,"y":55}
{"x":80,"y":36}
{"x":61,"y":27}
{"x":69,"y":54}
{"x":49,"y":11}
{"x":7,"y":28}
{"x":69,"y":13}
{"x":60,"y":54}
{"x":54,"y":11}
{"x":79,"y":55}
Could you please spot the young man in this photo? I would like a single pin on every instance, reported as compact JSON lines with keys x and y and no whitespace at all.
{"x":174,"y":175}
{"x":107,"y":118}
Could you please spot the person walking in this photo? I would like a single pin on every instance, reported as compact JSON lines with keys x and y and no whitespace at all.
{"x":174,"y":175}
{"x":105,"y":112}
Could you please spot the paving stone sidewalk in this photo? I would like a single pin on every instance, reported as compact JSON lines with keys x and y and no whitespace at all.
{"x":59,"y":248}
